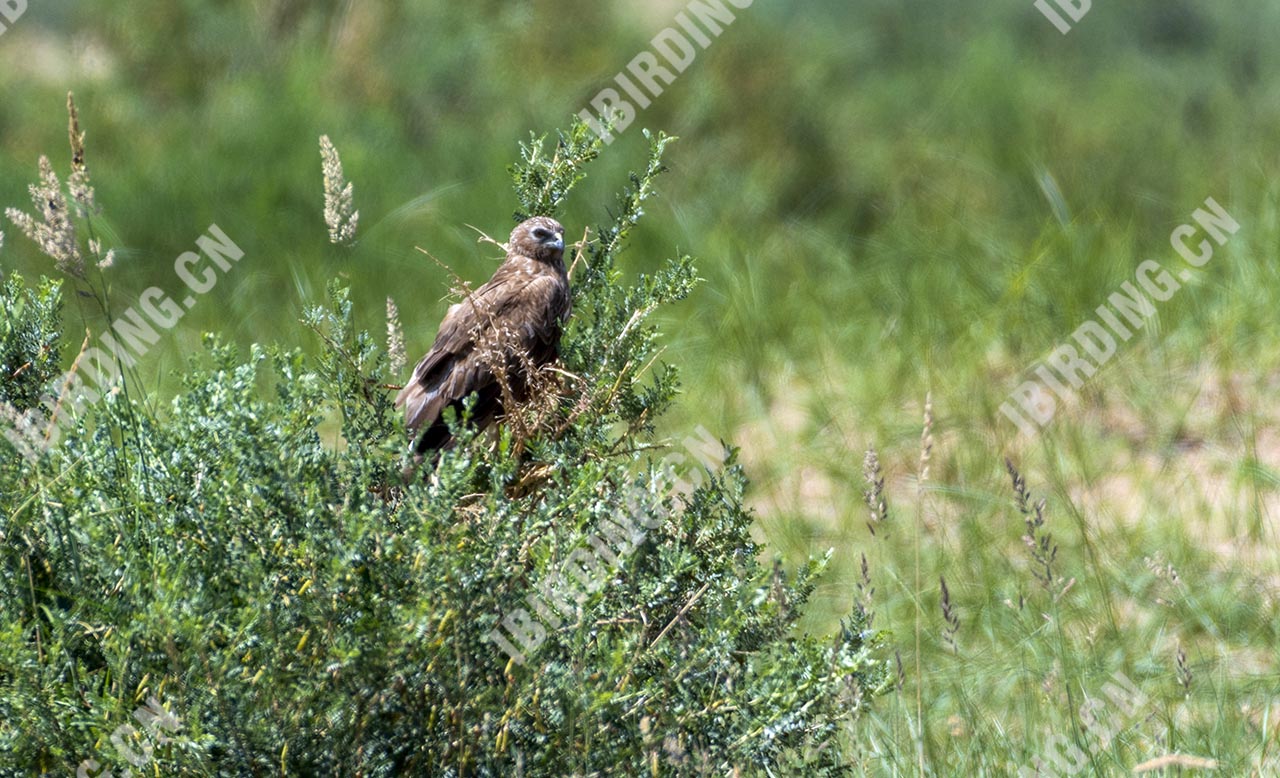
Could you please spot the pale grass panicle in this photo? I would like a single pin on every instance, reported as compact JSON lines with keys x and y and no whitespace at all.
{"x":1178,"y":760}
{"x":53,"y":232}
{"x":78,"y":182}
{"x":950,"y":615}
{"x":874,"y":495}
{"x":866,"y":594}
{"x":395,"y":339}
{"x":1185,"y":676}
{"x":340,"y":214}
{"x":1038,"y":539}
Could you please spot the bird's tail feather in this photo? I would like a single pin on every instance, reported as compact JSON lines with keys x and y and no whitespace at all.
{"x":417,"y":403}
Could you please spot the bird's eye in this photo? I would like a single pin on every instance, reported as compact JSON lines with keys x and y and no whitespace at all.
{"x":541,"y":234}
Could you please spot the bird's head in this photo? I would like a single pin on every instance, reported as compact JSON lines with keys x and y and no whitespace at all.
{"x":540,"y":238}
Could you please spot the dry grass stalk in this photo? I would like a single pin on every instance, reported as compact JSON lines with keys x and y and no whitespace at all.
{"x":1184,"y":670}
{"x":1176,"y":760}
{"x":1038,"y":540}
{"x":78,"y":182}
{"x":874,"y":494}
{"x":866,"y":594}
{"x":950,"y":615}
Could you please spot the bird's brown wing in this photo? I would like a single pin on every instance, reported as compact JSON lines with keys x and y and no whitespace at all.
{"x":518,"y":314}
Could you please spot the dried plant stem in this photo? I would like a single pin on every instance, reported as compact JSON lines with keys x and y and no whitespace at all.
{"x":926,"y":453}
{"x":916,"y":532}
{"x":950,"y":615}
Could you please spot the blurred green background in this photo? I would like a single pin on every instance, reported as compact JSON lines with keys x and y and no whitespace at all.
{"x":886,"y":199}
{"x":851,"y":174}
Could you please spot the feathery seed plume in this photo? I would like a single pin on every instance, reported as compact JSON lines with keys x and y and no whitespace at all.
{"x":95,"y":248}
{"x":874,"y":494}
{"x":78,"y":181}
{"x":395,"y":339}
{"x":53,"y":233}
{"x":339,"y":203}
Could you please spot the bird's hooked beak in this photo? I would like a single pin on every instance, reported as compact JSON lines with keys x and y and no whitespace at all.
{"x":556,"y":242}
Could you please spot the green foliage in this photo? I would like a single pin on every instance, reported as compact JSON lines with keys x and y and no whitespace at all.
{"x":30,"y":325}
{"x":303,"y":610}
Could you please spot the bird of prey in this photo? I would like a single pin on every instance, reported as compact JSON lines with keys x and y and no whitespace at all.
{"x":494,"y":337}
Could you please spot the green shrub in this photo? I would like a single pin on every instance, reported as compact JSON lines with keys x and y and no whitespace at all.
{"x":302,"y":609}
{"x":29,"y":332}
